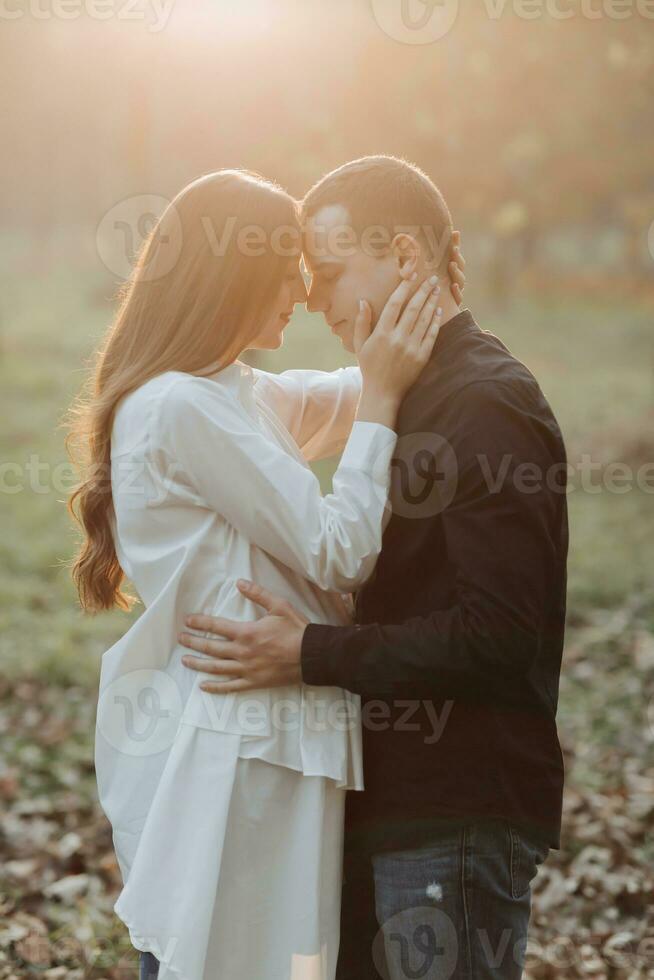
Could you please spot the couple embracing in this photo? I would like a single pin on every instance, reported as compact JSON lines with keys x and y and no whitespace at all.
{"x":327,"y":748}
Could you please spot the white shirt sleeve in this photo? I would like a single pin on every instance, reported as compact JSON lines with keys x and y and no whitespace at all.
{"x":208,"y":444}
{"x":317,"y":407}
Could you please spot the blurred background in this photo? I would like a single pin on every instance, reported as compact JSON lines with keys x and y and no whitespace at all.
{"x":535,"y":120}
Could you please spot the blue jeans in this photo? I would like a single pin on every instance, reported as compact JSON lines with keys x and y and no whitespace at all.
{"x":455,"y":908}
{"x":148,"y":966}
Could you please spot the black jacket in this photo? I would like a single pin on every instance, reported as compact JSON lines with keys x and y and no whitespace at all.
{"x":457,"y":646}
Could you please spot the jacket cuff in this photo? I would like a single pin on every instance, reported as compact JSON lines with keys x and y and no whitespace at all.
{"x":320,"y":662}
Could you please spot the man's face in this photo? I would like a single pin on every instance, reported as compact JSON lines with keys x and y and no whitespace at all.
{"x":344,"y":271}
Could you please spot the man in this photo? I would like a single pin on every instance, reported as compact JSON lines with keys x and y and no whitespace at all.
{"x":458,"y":635}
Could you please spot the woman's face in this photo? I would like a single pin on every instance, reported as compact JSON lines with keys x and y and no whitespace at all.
{"x":291,"y":291}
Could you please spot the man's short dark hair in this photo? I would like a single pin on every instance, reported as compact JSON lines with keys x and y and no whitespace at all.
{"x":389,"y":193}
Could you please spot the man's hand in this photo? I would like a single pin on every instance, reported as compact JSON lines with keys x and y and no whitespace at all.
{"x":265,"y":653}
{"x":457,"y":269}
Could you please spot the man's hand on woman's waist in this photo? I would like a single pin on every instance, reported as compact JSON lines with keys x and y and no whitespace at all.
{"x":259,"y":654}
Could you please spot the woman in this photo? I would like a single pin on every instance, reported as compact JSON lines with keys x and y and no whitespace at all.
{"x":227,"y":811}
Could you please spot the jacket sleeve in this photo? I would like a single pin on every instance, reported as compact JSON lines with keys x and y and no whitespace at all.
{"x":208,"y":445}
{"x":500,"y":534}
{"x":317,"y":407}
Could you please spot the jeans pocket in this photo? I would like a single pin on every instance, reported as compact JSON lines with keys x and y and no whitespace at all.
{"x":526,"y":856}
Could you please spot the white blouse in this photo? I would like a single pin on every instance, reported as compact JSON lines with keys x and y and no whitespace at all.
{"x":211,"y":483}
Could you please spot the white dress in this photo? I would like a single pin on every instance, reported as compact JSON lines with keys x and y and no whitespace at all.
{"x":227,"y":810}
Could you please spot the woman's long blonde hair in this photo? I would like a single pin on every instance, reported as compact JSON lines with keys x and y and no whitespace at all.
{"x":198,"y":295}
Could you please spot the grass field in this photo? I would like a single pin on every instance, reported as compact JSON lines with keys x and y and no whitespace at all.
{"x":595,"y":363}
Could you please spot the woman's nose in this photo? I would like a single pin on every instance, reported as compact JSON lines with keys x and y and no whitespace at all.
{"x":300,"y":293}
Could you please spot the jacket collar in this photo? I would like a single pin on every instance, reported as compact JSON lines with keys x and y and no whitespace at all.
{"x":462,"y":323}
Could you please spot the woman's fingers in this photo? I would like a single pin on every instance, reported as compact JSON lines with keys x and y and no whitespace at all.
{"x":424,"y":295}
{"x":456,"y":269}
{"x":457,"y":254}
{"x":395,"y":303}
{"x":426,"y":343}
{"x":428,"y":339}
{"x":423,"y":321}
{"x":455,"y":288}
{"x":456,"y":274}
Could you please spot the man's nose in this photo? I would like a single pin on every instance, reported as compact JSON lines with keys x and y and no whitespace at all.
{"x":315,"y":302}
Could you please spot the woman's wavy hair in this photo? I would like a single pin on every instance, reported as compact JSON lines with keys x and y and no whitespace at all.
{"x":197,"y":297}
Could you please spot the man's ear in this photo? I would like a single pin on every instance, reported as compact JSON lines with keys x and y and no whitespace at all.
{"x":406,"y":252}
